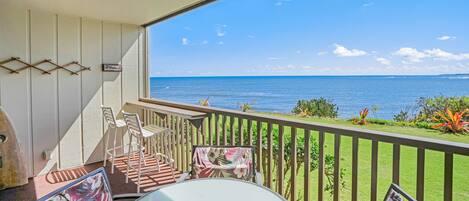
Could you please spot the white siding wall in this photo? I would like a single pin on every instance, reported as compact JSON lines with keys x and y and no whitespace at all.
{"x":61,"y":112}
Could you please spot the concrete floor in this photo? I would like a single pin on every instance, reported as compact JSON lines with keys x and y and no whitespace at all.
{"x":41,"y":185}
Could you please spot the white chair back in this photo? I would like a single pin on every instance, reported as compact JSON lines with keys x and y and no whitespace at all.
{"x":134,"y":125}
{"x":108,"y":116}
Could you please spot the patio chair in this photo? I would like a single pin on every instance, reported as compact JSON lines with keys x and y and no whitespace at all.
{"x":113,"y":125}
{"x":135,"y":130}
{"x":93,"y":186}
{"x":395,"y":193}
{"x":223,"y":162}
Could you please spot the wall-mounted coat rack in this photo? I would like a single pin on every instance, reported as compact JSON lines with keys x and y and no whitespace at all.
{"x":34,"y":66}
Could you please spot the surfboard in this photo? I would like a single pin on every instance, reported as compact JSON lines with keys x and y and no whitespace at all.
{"x":12,"y":167}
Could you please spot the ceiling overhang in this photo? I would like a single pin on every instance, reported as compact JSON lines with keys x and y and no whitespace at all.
{"x":139,"y":12}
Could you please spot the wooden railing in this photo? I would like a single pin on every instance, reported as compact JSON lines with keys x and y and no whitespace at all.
{"x":287,"y":151}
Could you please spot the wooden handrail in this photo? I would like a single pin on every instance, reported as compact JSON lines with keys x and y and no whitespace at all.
{"x":414,"y":141}
{"x":228,"y":123}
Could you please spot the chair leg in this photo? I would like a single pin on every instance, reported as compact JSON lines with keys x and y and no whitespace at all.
{"x":172,"y":171}
{"x":106,"y":147}
{"x":139,"y":166}
{"x":128,"y":161}
{"x":113,"y":151}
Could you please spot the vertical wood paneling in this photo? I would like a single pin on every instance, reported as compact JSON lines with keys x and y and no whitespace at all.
{"x":69,"y":92}
{"x":129,"y":55}
{"x":44,"y":92}
{"x":15,"y":88}
{"x":112,"y":85}
{"x":91,"y":84}
{"x":59,"y":113}
{"x":130,"y":62}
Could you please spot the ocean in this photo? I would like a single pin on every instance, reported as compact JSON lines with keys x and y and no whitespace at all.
{"x":389,"y":94}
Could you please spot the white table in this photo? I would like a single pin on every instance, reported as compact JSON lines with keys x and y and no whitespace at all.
{"x":213,"y":190}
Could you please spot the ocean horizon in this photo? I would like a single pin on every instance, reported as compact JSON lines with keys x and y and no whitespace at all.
{"x":351,"y":93}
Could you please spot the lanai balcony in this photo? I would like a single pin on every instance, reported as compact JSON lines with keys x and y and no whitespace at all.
{"x":61,"y":132}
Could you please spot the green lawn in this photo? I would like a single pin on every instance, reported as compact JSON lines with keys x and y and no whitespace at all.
{"x":434,"y":166}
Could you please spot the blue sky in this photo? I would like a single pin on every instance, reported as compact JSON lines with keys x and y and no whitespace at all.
{"x":306,"y":37}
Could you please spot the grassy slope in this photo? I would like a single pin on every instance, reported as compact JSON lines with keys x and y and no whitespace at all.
{"x":434,"y":166}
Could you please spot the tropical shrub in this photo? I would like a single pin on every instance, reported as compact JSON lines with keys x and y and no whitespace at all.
{"x":300,"y":156}
{"x":419,"y":124}
{"x":451,"y":122}
{"x":319,"y":107}
{"x":204,"y":102}
{"x":427,"y":107}
{"x":245,"y":107}
{"x":402,"y":116}
{"x":361,"y":120}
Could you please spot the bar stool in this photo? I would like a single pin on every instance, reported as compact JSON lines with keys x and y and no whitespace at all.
{"x":136,"y":130}
{"x":113,"y":125}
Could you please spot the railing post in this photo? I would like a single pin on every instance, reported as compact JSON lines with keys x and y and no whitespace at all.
{"x":225,"y":138}
{"x":293,"y":164}
{"x":232,"y":129}
{"x":448,"y":186}
{"x":269,"y":155}
{"x":281,"y":152}
{"x":321,"y":167}
{"x":374,"y":170}
{"x":396,"y":160}
{"x":240,"y":131}
{"x":210,"y":127}
{"x":355,"y":144}
{"x":307,"y":164}
{"x":259,"y":146}
{"x":250,"y":132}
{"x":420,"y":174}
{"x":336,"y":166}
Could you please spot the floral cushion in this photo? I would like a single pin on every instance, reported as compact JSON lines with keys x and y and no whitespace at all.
{"x":232,"y":162}
{"x":91,"y":188}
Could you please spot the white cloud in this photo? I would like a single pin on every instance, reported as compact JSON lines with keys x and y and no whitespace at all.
{"x":341,"y":51}
{"x":184,"y":41}
{"x":298,"y":51}
{"x":281,"y":2}
{"x":251,"y":36}
{"x":220,"y":43}
{"x":439,"y":54}
{"x":446,"y":38}
{"x":221,"y":30}
{"x":205,"y":42}
{"x":273,"y":58}
{"x":368,"y":4}
{"x":411,"y":54}
{"x":383,"y":61}
{"x":322,"y":53}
